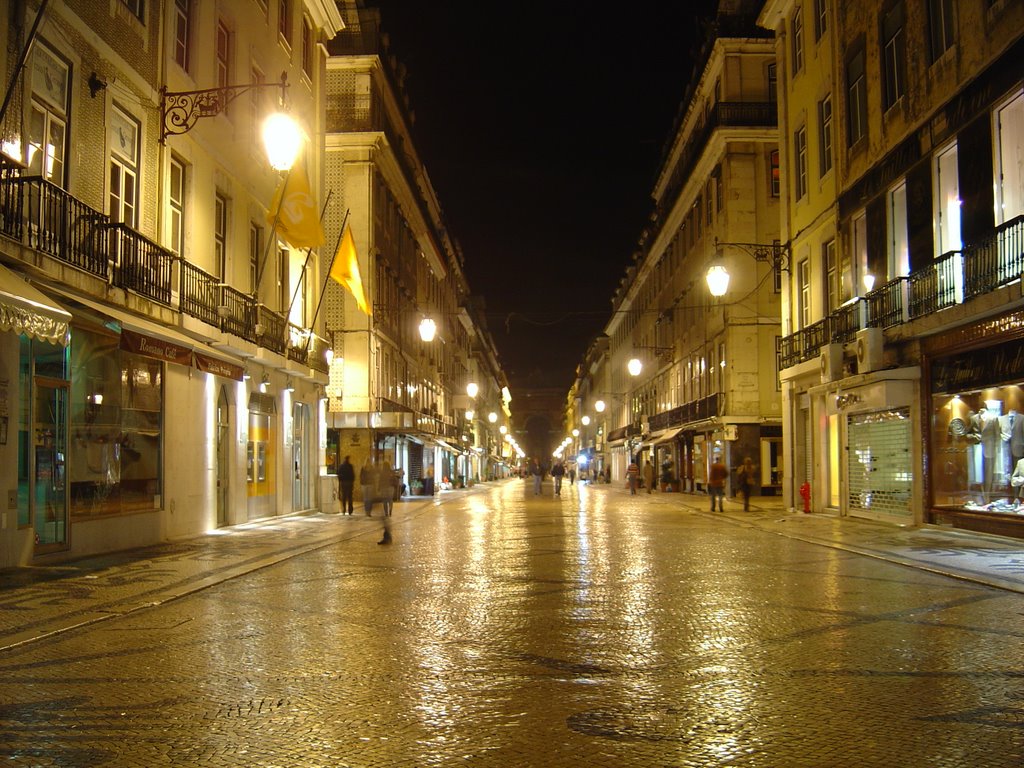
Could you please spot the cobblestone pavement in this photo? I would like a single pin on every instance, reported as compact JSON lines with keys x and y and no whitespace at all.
{"x":503,"y":629}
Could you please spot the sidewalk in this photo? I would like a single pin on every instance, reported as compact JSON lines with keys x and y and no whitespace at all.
{"x":996,"y":561}
{"x":37,"y":602}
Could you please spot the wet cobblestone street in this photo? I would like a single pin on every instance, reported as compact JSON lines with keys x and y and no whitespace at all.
{"x":504,"y":629}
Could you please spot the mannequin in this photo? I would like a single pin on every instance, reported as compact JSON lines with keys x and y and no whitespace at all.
{"x":1016,"y":436}
{"x":991,"y":439}
{"x":1017,"y":482}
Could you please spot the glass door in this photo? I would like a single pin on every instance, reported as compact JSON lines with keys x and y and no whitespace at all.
{"x":49,"y":452}
{"x":223,"y":444}
{"x":300,"y":480}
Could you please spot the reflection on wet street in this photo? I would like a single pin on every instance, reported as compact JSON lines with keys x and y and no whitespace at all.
{"x":504,"y":629}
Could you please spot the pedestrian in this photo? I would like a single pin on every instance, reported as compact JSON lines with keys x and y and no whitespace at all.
{"x":538,"y":475}
{"x":557,"y":473}
{"x":368,"y":481}
{"x":649,"y":475}
{"x":716,"y":483}
{"x":346,"y":485}
{"x":572,"y":474}
{"x":632,"y":476}
{"x":747,"y":476}
{"x":387,"y":483}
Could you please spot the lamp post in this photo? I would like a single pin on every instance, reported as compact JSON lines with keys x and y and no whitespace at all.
{"x":717,"y":277}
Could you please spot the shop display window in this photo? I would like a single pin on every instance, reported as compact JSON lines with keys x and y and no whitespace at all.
{"x":978,"y":450}
{"x":116,"y":412}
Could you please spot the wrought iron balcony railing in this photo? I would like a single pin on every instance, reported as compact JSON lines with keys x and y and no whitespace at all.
{"x":42,"y":216}
{"x":954,"y":278}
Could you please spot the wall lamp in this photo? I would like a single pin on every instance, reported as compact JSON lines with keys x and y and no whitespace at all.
{"x":181,"y":110}
{"x":428,"y":329}
{"x":776,"y":254}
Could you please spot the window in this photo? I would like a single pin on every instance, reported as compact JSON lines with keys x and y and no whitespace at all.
{"x":825,"y":139}
{"x":833,"y":278}
{"x":797,"y":38}
{"x":820,"y":18}
{"x":255,"y":240}
{"x":307,"y":47}
{"x":223,"y":53}
{"x":137,"y":7}
{"x":940,"y":26}
{"x":176,"y":203}
{"x":283,"y":297}
{"x":857,"y":262}
{"x":718,"y":188}
{"x":1010,"y":159}
{"x":124,"y":168}
{"x":899,"y":244}
{"x":894,"y":54}
{"x":220,"y":235}
{"x":773,"y":83}
{"x":284,"y":22}
{"x":698,"y":210}
{"x":775,"y":181}
{"x":800,"y":157}
{"x":856,"y":98}
{"x":803,"y":276}
{"x":256,"y":107}
{"x":46,"y":149}
{"x":708,"y":198}
{"x":182,"y":24}
{"x":947,"y":201}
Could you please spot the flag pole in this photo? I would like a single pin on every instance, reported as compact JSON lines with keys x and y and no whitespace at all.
{"x":270,"y":239}
{"x":323,"y":290}
{"x":305,"y":264}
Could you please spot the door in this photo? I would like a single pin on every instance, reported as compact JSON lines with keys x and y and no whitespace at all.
{"x":300,"y":481}
{"x":49,"y":452}
{"x":223,"y":444}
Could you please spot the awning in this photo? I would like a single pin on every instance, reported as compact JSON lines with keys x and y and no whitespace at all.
{"x":151,"y":339}
{"x":27,"y":310}
{"x":447,"y":446}
{"x":668,"y":436}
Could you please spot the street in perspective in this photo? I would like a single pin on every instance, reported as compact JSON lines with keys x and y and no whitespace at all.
{"x":500,"y":628}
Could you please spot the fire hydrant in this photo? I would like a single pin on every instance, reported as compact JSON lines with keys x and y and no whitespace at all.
{"x":805,"y":494}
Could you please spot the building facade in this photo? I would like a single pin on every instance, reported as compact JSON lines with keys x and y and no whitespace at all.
{"x":900,"y":382}
{"x":394,"y":395}
{"x":161,"y":367}
{"x":690,"y":377}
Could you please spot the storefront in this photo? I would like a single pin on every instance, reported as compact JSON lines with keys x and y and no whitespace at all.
{"x":976,"y":429}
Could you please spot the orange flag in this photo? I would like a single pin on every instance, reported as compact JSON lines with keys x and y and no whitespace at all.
{"x":293,"y":210}
{"x":345,"y":268}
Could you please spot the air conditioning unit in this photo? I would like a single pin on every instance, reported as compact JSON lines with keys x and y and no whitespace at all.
{"x":831,"y":358}
{"x":870,"y":343}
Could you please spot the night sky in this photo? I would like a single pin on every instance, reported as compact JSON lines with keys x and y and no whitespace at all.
{"x":542,"y":127}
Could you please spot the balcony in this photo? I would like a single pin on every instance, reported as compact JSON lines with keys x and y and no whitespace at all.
{"x":953,"y":278}
{"x":42,"y":216}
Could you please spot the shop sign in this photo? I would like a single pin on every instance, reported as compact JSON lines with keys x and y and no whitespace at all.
{"x":156,"y":348}
{"x":979,"y":368}
{"x":218,"y":367}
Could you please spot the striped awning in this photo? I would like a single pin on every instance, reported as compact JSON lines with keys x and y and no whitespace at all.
{"x":27,"y":310}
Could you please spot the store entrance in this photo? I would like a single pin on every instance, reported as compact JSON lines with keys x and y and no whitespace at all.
{"x":48,"y":452}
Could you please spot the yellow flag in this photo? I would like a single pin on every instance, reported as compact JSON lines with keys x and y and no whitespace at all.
{"x":345,"y":268}
{"x":293,"y":210}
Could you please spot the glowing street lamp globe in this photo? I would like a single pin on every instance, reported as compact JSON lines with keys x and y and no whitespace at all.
{"x":282,"y":140}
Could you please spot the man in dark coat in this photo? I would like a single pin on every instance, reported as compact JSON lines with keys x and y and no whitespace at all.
{"x":346,"y":485}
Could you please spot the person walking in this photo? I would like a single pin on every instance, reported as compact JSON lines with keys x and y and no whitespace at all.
{"x":346,"y":485}
{"x":557,"y":473}
{"x":649,"y":475}
{"x":632,"y":476}
{"x":538,"y":475}
{"x":572,"y":474}
{"x":716,"y":483}
{"x":387,"y":483}
{"x":747,"y":476}
{"x":368,"y":482}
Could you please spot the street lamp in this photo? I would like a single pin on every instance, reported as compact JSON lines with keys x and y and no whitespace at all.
{"x":181,"y":110}
{"x":599,"y":406}
{"x":717,"y":277}
{"x":472,"y":389}
{"x":492,"y":417}
{"x":634,"y":366}
{"x":282,"y":140}
{"x":428,"y":329}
